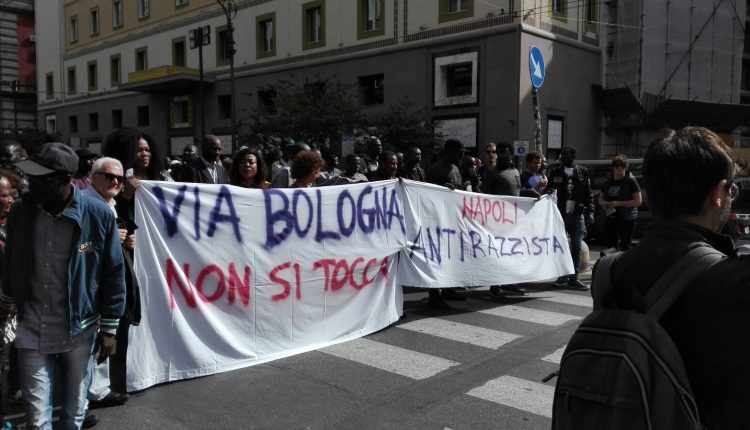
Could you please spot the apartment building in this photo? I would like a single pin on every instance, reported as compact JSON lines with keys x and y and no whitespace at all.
{"x":17,"y":66}
{"x":110,"y":63}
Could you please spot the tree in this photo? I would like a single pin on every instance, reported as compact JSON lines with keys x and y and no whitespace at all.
{"x":405,"y":126}
{"x":316,"y":112}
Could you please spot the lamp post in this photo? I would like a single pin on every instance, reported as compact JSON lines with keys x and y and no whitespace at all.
{"x":199,"y":38}
{"x":230,"y":10}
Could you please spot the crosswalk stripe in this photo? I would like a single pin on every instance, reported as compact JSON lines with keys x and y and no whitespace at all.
{"x":518,"y":393}
{"x":459,"y":332}
{"x":568,"y":299}
{"x":556,"y":356}
{"x":530,"y":315}
{"x":404,"y":362}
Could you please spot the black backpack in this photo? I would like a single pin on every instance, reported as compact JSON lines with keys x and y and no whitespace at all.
{"x":621,"y":369}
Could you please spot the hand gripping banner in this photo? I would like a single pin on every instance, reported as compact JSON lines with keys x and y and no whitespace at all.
{"x":232,"y":277}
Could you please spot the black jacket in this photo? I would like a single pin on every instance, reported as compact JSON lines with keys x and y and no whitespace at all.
{"x":710,"y":323}
{"x":581,"y":188}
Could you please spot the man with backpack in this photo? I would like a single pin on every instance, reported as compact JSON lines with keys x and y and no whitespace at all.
{"x":666,"y":345}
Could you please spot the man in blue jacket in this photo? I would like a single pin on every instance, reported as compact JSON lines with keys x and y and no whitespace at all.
{"x":65,"y":274}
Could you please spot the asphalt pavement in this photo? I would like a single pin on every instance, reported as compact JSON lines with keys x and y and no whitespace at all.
{"x":478,"y":365}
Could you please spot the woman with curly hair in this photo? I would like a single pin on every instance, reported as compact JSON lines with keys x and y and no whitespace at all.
{"x":248,"y":169}
{"x":306,"y":168}
{"x":139,"y":156}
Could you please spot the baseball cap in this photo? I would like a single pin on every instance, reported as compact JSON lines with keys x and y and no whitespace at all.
{"x":54,"y":157}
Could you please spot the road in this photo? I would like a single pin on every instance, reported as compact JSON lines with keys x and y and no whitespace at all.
{"x":479,"y":365}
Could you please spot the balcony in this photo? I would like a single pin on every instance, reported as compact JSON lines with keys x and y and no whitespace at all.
{"x":165,"y":79}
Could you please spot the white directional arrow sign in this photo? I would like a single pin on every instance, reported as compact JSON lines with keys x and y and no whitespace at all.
{"x":536,"y":66}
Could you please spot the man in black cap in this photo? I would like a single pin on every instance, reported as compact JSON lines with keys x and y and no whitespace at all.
{"x":82,"y":177}
{"x":67,"y":282}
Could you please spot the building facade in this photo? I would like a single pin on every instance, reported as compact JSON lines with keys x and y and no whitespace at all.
{"x":111,"y":63}
{"x":18,"y":79}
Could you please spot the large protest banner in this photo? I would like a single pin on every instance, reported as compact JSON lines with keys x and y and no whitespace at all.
{"x":232,"y":277}
{"x":457,"y":238}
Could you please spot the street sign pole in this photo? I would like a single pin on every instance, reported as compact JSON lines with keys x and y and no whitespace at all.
{"x":536,"y":73}
{"x":537,"y":120}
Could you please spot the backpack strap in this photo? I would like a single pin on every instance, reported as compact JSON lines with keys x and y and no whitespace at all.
{"x":675,"y":281}
{"x":602,"y":286}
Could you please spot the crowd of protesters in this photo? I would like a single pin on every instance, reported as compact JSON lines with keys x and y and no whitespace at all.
{"x":59,"y":181}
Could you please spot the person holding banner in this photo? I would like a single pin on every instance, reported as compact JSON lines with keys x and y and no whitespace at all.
{"x":575,"y":202}
{"x":248,"y":169}
{"x":67,"y":281}
{"x":445,"y":172}
{"x":387,"y":167}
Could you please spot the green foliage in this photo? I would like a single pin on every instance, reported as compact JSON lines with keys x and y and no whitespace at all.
{"x":316,"y":112}
{"x":404,"y":126}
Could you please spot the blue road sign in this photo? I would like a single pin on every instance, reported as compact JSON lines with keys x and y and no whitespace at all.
{"x":536,"y":66}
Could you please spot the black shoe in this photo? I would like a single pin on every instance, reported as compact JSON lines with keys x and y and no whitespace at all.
{"x":496,"y":292}
{"x":112,"y":399}
{"x":451,"y":294}
{"x":90,"y":421}
{"x":436,"y":301}
{"x":576,"y":284}
{"x":513,"y":290}
{"x":561,"y":282}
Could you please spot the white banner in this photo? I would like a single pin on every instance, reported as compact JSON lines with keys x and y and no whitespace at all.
{"x":232,"y":277}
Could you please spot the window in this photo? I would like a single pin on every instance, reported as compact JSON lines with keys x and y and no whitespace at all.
{"x":114,"y":70}
{"x":455,"y":9}
{"x":178,"y":52}
{"x":181,"y":112}
{"x":94,"y":121}
{"x":555,"y":131}
{"x":313,"y":25}
{"x":225,"y":106}
{"x":49,"y":86}
{"x":73,"y":27}
{"x":558,"y":9}
{"x":143,"y":118}
{"x":371,"y":90}
{"x":94,"y":16}
{"x":141,"y":59}
{"x":223,"y":46}
{"x":72,"y":80}
{"x":456,"y":79}
{"x":457,"y":6}
{"x":266,"y":37}
{"x":117,"y":118}
{"x":51,"y":121}
{"x":591,"y":16}
{"x":179,"y":3}
{"x":91,"y":75}
{"x":370,"y":18}
{"x":72,"y":124}
{"x":266,"y":101}
{"x":116,"y":13}
{"x":143,"y":9}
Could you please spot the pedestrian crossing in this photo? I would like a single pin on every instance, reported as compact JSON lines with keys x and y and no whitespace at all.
{"x":515,"y":389}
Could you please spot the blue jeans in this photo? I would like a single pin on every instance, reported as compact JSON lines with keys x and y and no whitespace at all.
{"x":575,"y":226}
{"x":37,"y":371}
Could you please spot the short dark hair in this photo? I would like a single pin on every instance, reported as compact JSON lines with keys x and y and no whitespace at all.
{"x":620,"y":160}
{"x":505,"y":144}
{"x":681,"y":168}
{"x":385,"y":156}
{"x":533,"y":155}
{"x":234,"y":172}
{"x":305,"y":163}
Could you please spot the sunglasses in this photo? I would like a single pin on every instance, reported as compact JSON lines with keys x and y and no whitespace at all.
{"x":489,"y":151}
{"x":110,"y":177}
{"x":618,"y":166}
